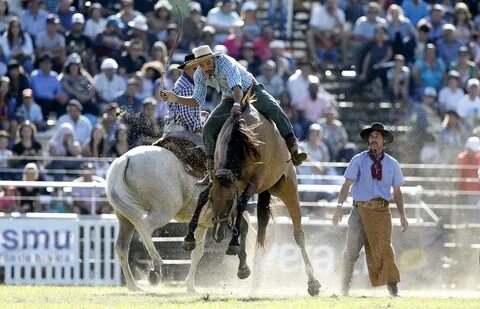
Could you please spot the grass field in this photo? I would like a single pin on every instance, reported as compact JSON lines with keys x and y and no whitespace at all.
{"x":176,"y":297}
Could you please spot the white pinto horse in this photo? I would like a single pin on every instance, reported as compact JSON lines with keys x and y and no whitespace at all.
{"x":148,"y":187}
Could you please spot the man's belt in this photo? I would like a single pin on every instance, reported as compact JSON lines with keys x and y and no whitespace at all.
{"x":229,"y":98}
{"x":373,"y":203}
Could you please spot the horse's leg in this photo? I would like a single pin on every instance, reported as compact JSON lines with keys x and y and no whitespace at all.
{"x":234,"y":245}
{"x":122,"y":246}
{"x":189,"y":240}
{"x":145,"y":230}
{"x":243,"y":269}
{"x":195,"y":257}
{"x":286,"y":190}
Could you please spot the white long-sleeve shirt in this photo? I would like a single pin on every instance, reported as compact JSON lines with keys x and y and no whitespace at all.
{"x":27,"y":46}
{"x":109,"y":90}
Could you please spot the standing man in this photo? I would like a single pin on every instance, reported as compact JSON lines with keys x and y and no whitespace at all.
{"x":182,"y":117}
{"x":373,"y":174}
{"x":225,"y":74}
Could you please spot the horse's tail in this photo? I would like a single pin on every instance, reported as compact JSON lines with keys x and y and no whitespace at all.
{"x":263,"y":215}
{"x":119,"y":192}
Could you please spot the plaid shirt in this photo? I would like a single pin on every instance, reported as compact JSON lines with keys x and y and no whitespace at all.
{"x":228,"y":74}
{"x":188,"y":117}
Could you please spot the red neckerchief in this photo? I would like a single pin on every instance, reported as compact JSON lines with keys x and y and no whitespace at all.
{"x":377,"y":164}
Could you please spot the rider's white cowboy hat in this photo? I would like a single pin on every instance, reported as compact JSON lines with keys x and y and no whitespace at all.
{"x":203,"y":52}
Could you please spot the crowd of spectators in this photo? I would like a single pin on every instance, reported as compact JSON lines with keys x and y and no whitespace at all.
{"x":81,"y":79}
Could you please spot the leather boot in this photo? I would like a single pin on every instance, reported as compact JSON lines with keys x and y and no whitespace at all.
{"x":392,"y":289}
{"x":208,"y":177}
{"x":298,"y":156}
{"x":346,"y":278}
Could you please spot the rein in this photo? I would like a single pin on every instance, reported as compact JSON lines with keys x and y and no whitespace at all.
{"x":231,"y":212}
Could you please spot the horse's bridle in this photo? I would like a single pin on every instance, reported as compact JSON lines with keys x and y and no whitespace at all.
{"x":232,"y":211}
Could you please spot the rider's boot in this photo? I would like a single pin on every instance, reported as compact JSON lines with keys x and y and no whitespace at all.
{"x":298,"y":156}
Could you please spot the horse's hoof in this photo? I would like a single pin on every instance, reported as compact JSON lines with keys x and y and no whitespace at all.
{"x":233,"y":250}
{"x":191,"y":289}
{"x":154,"y":277}
{"x":134,"y":288}
{"x":244,"y":272}
{"x":188,"y":245}
{"x":313,"y":287}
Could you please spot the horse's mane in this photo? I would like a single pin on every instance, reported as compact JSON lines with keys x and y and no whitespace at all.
{"x":242,"y":146}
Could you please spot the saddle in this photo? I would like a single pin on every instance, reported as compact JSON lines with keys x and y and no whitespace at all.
{"x":188,"y":148}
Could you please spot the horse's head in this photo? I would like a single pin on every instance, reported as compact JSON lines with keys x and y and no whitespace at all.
{"x":223,"y":197}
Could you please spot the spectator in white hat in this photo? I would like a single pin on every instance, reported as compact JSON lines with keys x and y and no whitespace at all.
{"x":468,"y":108}
{"x":108,"y":84}
{"x":284,"y":61}
{"x":159,"y":19}
{"x":251,"y":25}
{"x":77,"y":42}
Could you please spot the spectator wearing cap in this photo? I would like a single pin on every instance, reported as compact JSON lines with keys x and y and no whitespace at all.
{"x":83,"y":204}
{"x":16,"y":44}
{"x":398,"y":78}
{"x":30,"y":111}
{"x":415,"y":10}
{"x":81,"y":124}
{"x":77,"y":42}
{"x":272,"y":82}
{"x":464,"y":66}
{"x":297,"y":84}
{"x":108,"y":84}
{"x":65,"y":12}
{"x":139,"y":30}
{"x":450,"y":95}
{"x":172,"y":34}
{"x":436,"y":20}
{"x":463,"y":22}
{"x":160,"y":18}
{"x":208,"y":35}
{"x":95,"y":24}
{"x":52,"y":41}
{"x":326,"y":31}
{"x":448,"y":45}
{"x":262,"y":43}
{"x":193,"y":24}
{"x":5,"y":154}
{"x":336,"y":136}
{"x":18,"y":79}
{"x":429,"y":71}
{"x":78,"y":84}
{"x":127,"y":13}
{"x":223,"y":19}
{"x":34,"y":18}
{"x":129,"y":102}
{"x":251,"y":24}
{"x":283,"y":58}
{"x":468,"y":107}
{"x":425,"y":115}
{"x":132,"y":59}
{"x":109,"y":42}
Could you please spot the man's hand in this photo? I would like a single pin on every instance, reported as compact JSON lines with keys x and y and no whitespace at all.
{"x":236,"y":109}
{"x":403,"y":224}
{"x":337,"y":216}
{"x":168,"y":96}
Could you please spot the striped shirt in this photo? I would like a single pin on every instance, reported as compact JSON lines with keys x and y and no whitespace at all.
{"x":188,"y":117}
{"x":228,"y":74}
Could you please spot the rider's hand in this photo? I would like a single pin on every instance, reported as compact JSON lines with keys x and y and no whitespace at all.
{"x":168,"y":96}
{"x":236,"y":109}
{"x":337,"y":216}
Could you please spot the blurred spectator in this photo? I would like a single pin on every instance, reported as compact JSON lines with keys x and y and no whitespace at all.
{"x":398,"y":78}
{"x":145,"y":128}
{"x":5,"y":155}
{"x":415,"y":10}
{"x":193,"y":24}
{"x":468,"y":107}
{"x":77,"y":42}
{"x":336,"y":136}
{"x":436,"y":20}
{"x":172,"y":35}
{"x":464,"y":66}
{"x":132,"y":59}
{"x":65,"y":12}
{"x":160,"y":18}
{"x":63,"y":143}
{"x":129,"y":102}
{"x":430,"y":71}
{"x":17,"y":45}
{"x":8,"y":105}
{"x":139,"y":31}
{"x":463,"y":22}
{"x":326,"y":32}
{"x":121,"y":144}
{"x":208,"y":36}
{"x":8,"y":199}
{"x":354,"y":9}
{"x":159,"y":52}
{"x":234,"y":43}
{"x":26,"y":145}
{"x":149,"y":74}
{"x":452,"y":137}
{"x":81,"y":124}
{"x":314,"y":103}
{"x":278,"y":7}
{"x":29,"y":196}
{"x":415,"y":46}
{"x":78,"y":84}
{"x":47,"y":91}
{"x":283,"y":59}
{"x":251,"y":25}
{"x":5,"y":15}
{"x":469,"y":156}
{"x":108,"y":84}
{"x":223,"y":18}
{"x":430,"y":149}
{"x":30,"y":111}
{"x":448,"y":45}
{"x":247,"y":55}
{"x":297,"y":84}
{"x":399,"y":28}
{"x":425,"y":116}
{"x":52,"y":41}
{"x":95,"y":147}
{"x":110,"y":123}
{"x":262,"y":43}
{"x":34,"y":19}
{"x":126,"y":13}
{"x":272,"y":82}
{"x":451,"y":94}
{"x":84,"y":203}
{"x":109,"y":42}
{"x":96,"y":23}
{"x":18,"y":80}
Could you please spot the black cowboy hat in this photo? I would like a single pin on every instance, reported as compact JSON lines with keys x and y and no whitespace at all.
{"x":379,"y":127}
{"x":188,"y":58}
